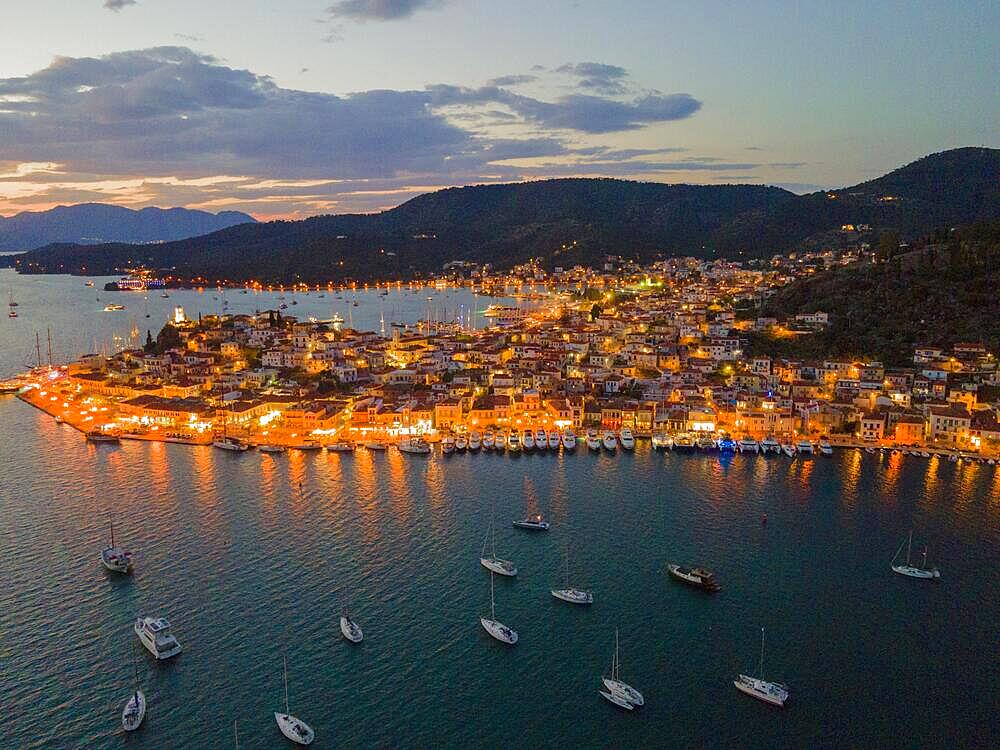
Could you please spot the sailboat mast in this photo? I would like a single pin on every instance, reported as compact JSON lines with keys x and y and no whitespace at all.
{"x":112,"y":531}
{"x":38,"y":349}
{"x":761,"y":669}
{"x":285,"y":660}
{"x":493,"y":614}
{"x":48,"y":332}
{"x":236,"y":735}
{"x":909,"y":543}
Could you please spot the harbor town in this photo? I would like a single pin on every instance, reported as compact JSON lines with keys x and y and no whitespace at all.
{"x":665,"y":351}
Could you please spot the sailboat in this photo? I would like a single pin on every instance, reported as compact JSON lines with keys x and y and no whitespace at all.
{"x":568,"y":593}
{"x":495,"y":628}
{"x":911,"y":570}
{"x":113,"y":557}
{"x":350,"y":629}
{"x":618,"y":691}
{"x":135,"y":707}
{"x":770,"y":692}
{"x":493,"y":563}
{"x":294,"y":729}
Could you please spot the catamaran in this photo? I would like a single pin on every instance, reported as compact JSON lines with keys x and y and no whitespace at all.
{"x":770,"y":692}
{"x":615,"y":686}
{"x":911,"y":570}
{"x":294,"y":729}
{"x":113,"y":557}
{"x":494,"y":563}
{"x":494,"y":627}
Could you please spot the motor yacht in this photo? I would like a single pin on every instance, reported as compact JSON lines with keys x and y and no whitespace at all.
{"x":534,"y":522}
{"x":770,"y":445}
{"x":340,"y":446}
{"x":155,"y":635}
{"x":489,"y":441}
{"x":824,"y":446}
{"x":699,"y":578}
{"x":804,"y":447}
{"x":593,"y":442}
{"x":415,"y":446}
{"x":706,"y":443}
{"x":662,"y":441}
{"x":627,"y":439}
{"x":554,"y":441}
{"x":569,"y":440}
{"x":475,"y":441}
{"x":788,"y":449}
{"x":513,"y":442}
{"x":100,"y":436}
{"x":541,"y":440}
{"x":500,"y":441}
{"x":684,"y":443}
{"x":447,"y":444}
{"x":376,"y":445}
{"x":609,"y":441}
{"x":461,"y":443}
{"x":310,"y":445}
{"x":726,"y":444}
{"x":350,"y":629}
{"x":528,"y":440}
{"x":748,"y":445}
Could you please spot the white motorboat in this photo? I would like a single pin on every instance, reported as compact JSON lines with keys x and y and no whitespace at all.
{"x":804,"y":447}
{"x":228,"y":443}
{"x":662,"y":441}
{"x":155,"y":635}
{"x":293,"y":728}
{"x":271,"y":448}
{"x":627,"y":439}
{"x":534,"y":522}
{"x":770,"y":445}
{"x":340,"y":446}
{"x":310,"y":445}
{"x":788,"y":449}
{"x":100,"y":436}
{"x":609,"y":441}
{"x":593,"y":442}
{"x":513,"y":442}
{"x":613,"y":682}
{"x":926,"y":454}
{"x":492,"y":562}
{"x":415,"y":446}
{"x":350,"y":629}
{"x":569,"y":440}
{"x":554,"y":441}
{"x":475,"y":441}
{"x":376,"y":445}
{"x":500,"y":442}
{"x":489,"y":441}
{"x":528,"y":440}
{"x":494,"y":627}
{"x":747,"y":444}
{"x":824,"y":446}
{"x":770,"y":692}
{"x":447,"y":444}
{"x":541,"y":440}
{"x":114,"y":558}
{"x":461,"y":442}
{"x":134,"y":711}
{"x":912,"y":571}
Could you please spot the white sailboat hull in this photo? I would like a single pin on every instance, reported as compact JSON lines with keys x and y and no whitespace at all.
{"x":911,"y":571}
{"x":500,"y":567}
{"x":499,"y":631}
{"x":617,"y":700}
{"x":294,"y":729}
{"x":351,"y":630}
{"x":134,"y":711}
{"x":770,"y":692}
{"x":624,"y":690}
{"x":573,"y":596}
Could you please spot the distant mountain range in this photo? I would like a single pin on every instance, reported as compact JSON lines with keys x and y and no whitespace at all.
{"x":564,"y":222}
{"x":100,"y":223}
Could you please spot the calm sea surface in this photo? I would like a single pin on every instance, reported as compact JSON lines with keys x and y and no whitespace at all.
{"x":252,"y":557}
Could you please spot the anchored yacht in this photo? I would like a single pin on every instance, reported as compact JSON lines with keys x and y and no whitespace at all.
{"x":533,"y":522}
{"x":748,"y":445}
{"x":350,"y":629}
{"x":627,"y":439}
{"x":114,"y":558}
{"x":770,"y":692}
{"x":569,"y":440}
{"x":593,"y":442}
{"x":494,"y":627}
{"x":155,"y":635}
{"x":616,"y":686}
{"x":609,"y":440}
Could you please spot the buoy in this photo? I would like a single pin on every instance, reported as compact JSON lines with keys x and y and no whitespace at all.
{"x":763,"y":518}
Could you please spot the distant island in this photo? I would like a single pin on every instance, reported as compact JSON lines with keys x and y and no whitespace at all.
{"x":99,"y":223}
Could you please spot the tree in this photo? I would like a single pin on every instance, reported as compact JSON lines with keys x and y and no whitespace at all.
{"x":595,"y":312}
{"x":150,"y":345}
{"x":168,"y":338}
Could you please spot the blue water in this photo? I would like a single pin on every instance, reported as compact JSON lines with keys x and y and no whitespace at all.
{"x":249,"y":568}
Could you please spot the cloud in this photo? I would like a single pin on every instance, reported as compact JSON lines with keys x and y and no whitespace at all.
{"x":379,"y":10}
{"x":189,"y":37}
{"x":512,"y":80}
{"x":170,"y":125}
{"x":600,"y":77}
{"x":117,"y":5}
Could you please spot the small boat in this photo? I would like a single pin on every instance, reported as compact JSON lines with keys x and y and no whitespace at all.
{"x":461,"y":443}
{"x":627,"y":439}
{"x":528,"y":440}
{"x":913,"y":571}
{"x":609,"y":441}
{"x":135,"y":707}
{"x":475,"y":441}
{"x":804,"y":447}
{"x":871,"y":451}
{"x":699,"y":578}
{"x":100,"y":436}
{"x":271,"y":448}
{"x":350,"y":629}
{"x":59,"y":420}
{"x":684,"y":444}
{"x":165,"y":295}
{"x":340,"y":446}
{"x":824,"y":446}
{"x":513,"y":442}
{"x":554,"y":441}
{"x":310,"y":445}
{"x":447,"y":444}
{"x":788,"y":449}
{"x":569,"y":593}
{"x":706,"y":443}
{"x":593,"y":442}
{"x":489,"y":441}
{"x":294,"y":729}
{"x":500,"y":442}
{"x":376,"y":445}
{"x":770,"y":445}
{"x":113,"y":308}
{"x":770,"y":692}
{"x":534,"y":522}
{"x":662,"y":441}
{"x":541,"y":440}
{"x":748,"y":445}
{"x":494,"y":563}
{"x":12,"y":314}
{"x":88,"y":283}
{"x":494,"y":627}
{"x":569,"y":440}
{"x":613,"y":682}
{"x":114,"y":558}
{"x":228,"y":443}
{"x":155,"y":635}
{"x":415,"y":446}
{"x":925,"y":454}
{"x":726,"y":444}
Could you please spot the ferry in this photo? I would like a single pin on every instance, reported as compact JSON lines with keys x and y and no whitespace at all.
{"x":155,"y":635}
{"x":699,"y":578}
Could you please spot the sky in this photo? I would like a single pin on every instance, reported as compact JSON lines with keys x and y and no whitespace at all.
{"x":291,"y":108}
